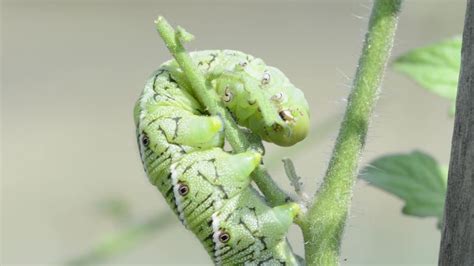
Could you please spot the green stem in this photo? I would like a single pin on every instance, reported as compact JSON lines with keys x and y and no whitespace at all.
{"x":207,"y":97}
{"x":324,"y":222}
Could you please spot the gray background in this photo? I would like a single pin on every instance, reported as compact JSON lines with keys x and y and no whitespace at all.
{"x":71,"y":71}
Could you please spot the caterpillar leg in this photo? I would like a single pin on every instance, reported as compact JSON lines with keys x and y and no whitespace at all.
{"x":181,"y":127}
{"x":281,"y":218}
{"x":195,"y":131}
{"x":165,"y":107}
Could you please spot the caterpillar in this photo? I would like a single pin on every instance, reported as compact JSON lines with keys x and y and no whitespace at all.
{"x":181,"y":147}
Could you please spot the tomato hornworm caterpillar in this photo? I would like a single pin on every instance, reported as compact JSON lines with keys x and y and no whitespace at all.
{"x":181,"y":148}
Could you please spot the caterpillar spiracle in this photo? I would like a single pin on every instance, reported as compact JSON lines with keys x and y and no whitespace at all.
{"x":181,"y":147}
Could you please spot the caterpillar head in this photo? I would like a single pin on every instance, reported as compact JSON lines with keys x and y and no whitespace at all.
{"x":263,"y":99}
{"x":290,"y":106}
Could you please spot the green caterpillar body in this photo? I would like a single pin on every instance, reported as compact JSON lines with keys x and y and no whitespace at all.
{"x":181,"y":148}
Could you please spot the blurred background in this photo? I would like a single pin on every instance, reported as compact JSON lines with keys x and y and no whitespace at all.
{"x":72,"y":70}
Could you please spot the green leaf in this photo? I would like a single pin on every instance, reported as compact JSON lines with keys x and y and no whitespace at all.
{"x":414,"y":177}
{"x":115,"y":208}
{"x":435,"y":67}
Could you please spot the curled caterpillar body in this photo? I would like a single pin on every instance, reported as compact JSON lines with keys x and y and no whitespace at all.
{"x":181,"y":148}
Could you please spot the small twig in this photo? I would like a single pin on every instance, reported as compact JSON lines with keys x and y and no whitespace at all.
{"x":295,"y":180}
{"x":325,"y":220}
{"x":207,"y":97}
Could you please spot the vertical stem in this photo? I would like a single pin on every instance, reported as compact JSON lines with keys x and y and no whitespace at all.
{"x":324,"y":222}
{"x":457,"y":240}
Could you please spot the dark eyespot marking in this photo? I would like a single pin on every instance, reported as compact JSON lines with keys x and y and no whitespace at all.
{"x":286,"y":115}
{"x":266,"y":78}
{"x":145,"y":141}
{"x":183,"y":189}
{"x":224,"y":237}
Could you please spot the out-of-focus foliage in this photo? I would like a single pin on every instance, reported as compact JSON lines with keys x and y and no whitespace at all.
{"x":435,"y":67}
{"x":414,"y":177}
{"x":124,"y":240}
{"x":117,"y":209}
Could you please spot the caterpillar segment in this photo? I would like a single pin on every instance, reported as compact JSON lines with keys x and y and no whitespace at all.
{"x":181,"y":147}
{"x":247,"y":231}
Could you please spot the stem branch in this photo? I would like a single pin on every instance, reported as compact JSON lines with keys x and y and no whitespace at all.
{"x":324,"y":222}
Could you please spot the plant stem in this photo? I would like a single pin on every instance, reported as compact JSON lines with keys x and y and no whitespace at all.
{"x":207,"y":97}
{"x":324,"y":222}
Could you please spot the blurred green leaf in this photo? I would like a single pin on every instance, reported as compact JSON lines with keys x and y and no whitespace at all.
{"x":124,"y":240}
{"x":116,"y":208}
{"x":435,"y":67}
{"x":414,"y":177}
